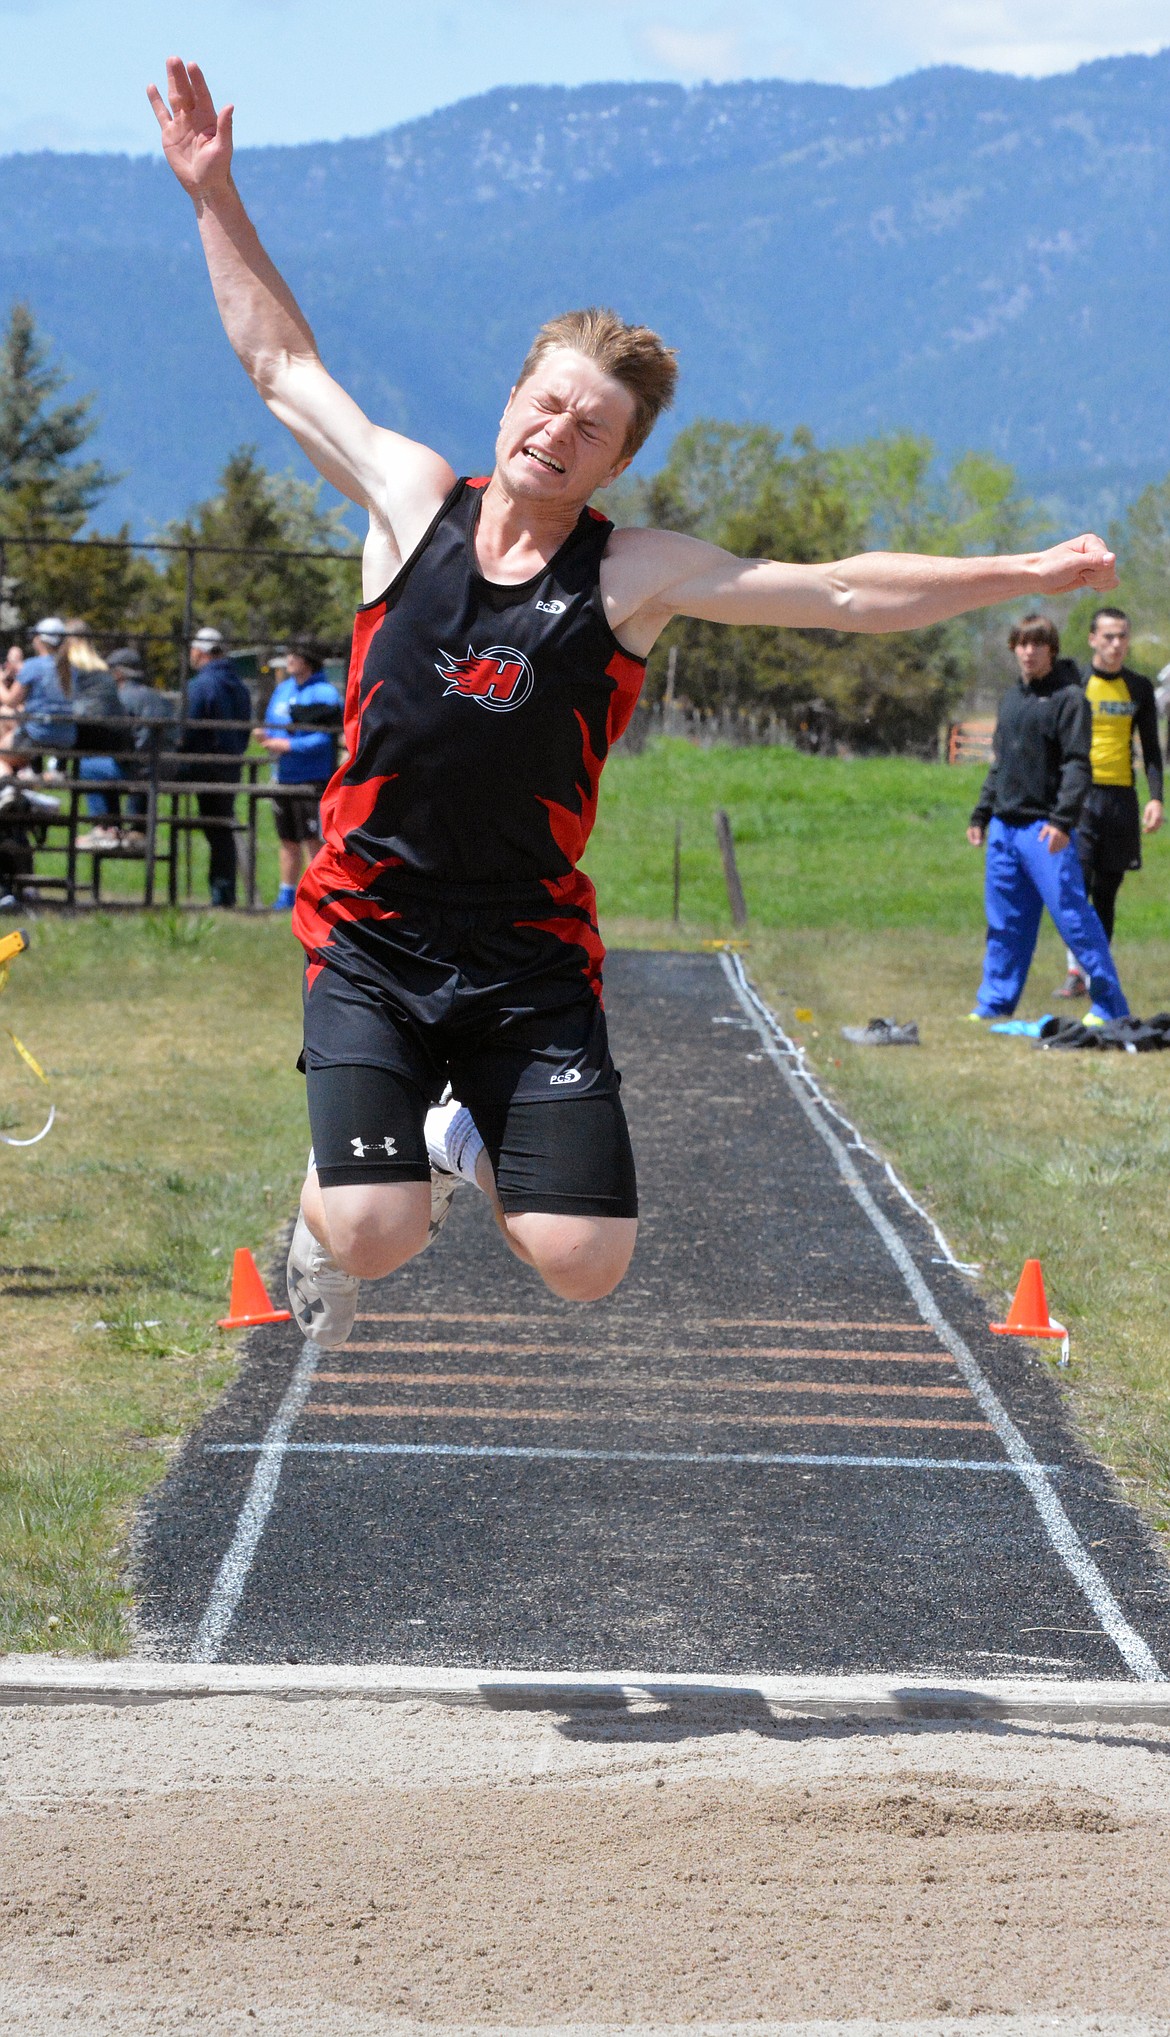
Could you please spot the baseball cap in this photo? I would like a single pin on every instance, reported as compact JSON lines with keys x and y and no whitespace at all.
{"x":125,"y":660}
{"x":52,"y":629}
{"x":208,"y":638}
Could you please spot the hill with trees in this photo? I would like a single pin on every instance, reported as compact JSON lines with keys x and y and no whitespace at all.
{"x":976,"y":258}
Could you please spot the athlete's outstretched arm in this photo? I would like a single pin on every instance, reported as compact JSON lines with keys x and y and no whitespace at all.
{"x":659,"y":574}
{"x":399,"y":482}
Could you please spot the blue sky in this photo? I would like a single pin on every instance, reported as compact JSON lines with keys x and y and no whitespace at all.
{"x":73,"y":72}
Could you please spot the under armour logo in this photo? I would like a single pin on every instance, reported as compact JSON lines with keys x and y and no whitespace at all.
{"x":386,"y":1145}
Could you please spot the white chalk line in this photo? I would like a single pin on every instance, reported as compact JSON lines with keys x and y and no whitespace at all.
{"x":570,"y":1456}
{"x":232,"y":1574}
{"x":1056,"y":1523}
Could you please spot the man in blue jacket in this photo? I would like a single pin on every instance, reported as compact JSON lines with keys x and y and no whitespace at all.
{"x":219,"y":709}
{"x":300,"y":735}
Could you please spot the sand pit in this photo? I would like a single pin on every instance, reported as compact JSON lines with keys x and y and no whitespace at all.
{"x":359,"y":1867}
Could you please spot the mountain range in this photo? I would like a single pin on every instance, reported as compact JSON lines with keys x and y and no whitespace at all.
{"x":982,"y":258}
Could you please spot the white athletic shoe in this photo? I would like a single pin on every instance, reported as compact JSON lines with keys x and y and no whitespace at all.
{"x":453,"y":1147}
{"x":322,"y":1298}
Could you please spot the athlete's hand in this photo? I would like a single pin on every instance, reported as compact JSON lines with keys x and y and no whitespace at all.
{"x":197,"y":141}
{"x":1153,"y":817}
{"x":1055,"y":838}
{"x":975,"y":835}
{"x":1079,"y":562}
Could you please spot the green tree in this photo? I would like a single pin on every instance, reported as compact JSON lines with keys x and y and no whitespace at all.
{"x":254,"y":597}
{"x":1142,"y":542}
{"x":46,"y":492}
{"x":748,"y":489}
{"x":906,"y":504}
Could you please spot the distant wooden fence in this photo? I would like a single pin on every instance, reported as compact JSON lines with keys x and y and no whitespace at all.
{"x":969,"y":742}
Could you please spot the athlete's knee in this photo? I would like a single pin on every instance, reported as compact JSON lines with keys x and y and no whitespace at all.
{"x":374,"y":1231}
{"x":579,"y":1258}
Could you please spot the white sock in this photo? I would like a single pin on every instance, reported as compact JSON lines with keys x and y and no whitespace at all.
{"x":453,"y":1144}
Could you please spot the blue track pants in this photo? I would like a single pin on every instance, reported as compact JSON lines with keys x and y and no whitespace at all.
{"x":1021,"y":878}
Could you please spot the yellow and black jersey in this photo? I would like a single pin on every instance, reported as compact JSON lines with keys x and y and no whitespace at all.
{"x":1122,"y":705}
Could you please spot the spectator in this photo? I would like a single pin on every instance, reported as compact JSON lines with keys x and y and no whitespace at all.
{"x":216,"y":695}
{"x":10,"y":670}
{"x":1027,"y":811}
{"x":1110,"y":829}
{"x":150,"y":714}
{"x":97,"y":712}
{"x":37,"y":700}
{"x":11,"y":693}
{"x":300,"y":735}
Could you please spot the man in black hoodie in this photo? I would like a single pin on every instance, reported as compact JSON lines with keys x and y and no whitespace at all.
{"x":1110,"y":829}
{"x":1027,"y":812}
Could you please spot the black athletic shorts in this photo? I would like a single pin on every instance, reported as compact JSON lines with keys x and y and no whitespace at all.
{"x":1109,"y":831}
{"x":297,"y":814}
{"x":504,"y":1009}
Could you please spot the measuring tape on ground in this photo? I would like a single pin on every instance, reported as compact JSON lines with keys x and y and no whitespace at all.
{"x":12,"y":945}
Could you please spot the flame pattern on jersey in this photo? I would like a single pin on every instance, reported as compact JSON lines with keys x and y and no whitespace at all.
{"x":478,"y":719}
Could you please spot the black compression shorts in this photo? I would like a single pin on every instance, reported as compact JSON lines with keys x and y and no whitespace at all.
{"x":503,"y":1009}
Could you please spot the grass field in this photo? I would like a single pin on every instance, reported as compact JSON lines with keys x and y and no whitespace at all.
{"x":171,"y":1043}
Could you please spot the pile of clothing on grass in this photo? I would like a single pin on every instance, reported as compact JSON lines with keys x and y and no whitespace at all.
{"x":1126,"y":1035}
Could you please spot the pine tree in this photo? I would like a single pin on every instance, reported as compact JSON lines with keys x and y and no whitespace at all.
{"x":44,"y":491}
{"x":257,"y":599}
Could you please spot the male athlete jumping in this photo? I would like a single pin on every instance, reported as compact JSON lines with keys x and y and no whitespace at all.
{"x":450,"y":936}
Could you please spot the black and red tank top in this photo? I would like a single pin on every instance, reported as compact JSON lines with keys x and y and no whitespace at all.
{"x":477,"y":721}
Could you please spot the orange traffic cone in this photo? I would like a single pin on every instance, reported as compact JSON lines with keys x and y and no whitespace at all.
{"x":1028,"y":1315}
{"x":250,"y":1303}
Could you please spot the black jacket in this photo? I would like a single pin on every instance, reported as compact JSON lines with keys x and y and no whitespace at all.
{"x":1041,"y":765}
{"x":216,"y":694}
{"x":1141,"y":692}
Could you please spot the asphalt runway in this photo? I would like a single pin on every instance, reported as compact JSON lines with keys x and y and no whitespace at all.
{"x":788,"y":1443}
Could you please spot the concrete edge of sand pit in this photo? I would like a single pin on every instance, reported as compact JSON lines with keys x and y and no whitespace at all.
{"x":52,"y":1680}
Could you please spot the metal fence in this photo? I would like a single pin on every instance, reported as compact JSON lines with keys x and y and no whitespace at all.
{"x":175,"y":642}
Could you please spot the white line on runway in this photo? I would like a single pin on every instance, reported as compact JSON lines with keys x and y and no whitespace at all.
{"x":622,"y":1456}
{"x":1063,"y":1536}
{"x":232,"y":1574}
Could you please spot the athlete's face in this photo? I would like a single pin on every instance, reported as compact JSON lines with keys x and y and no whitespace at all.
{"x":1109,"y":643}
{"x":1034,"y":661}
{"x":563,"y":433}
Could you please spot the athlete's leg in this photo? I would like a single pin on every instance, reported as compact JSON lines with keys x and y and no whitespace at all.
{"x":1103,"y":892}
{"x":1060,"y":883}
{"x":367,"y":1199}
{"x":581,"y":1257}
{"x":369,"y":1229}
{"x":561,"y":1177}
{"x":1013,"y":907}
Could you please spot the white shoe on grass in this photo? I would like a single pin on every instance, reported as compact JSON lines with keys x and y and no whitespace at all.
{"x":322,"y":1298}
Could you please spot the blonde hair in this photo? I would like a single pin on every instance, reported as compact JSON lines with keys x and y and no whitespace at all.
{"x":80,"y":649}
{"x":632,"y":354}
